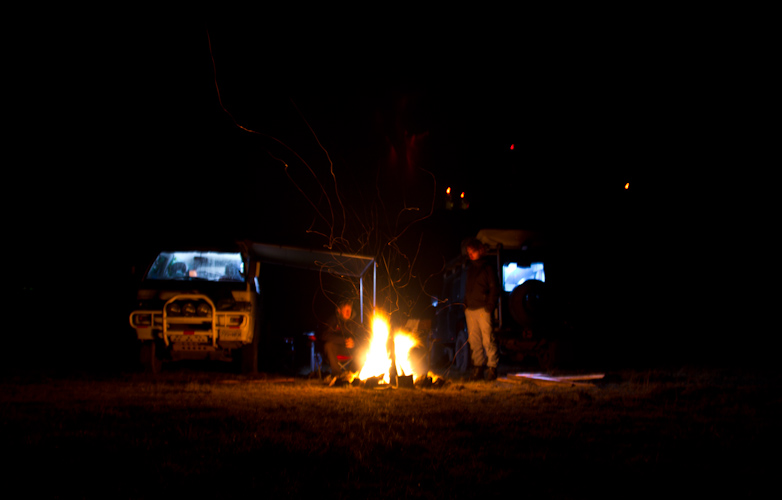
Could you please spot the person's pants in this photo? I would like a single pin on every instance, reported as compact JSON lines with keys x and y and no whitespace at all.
{"x":481,"y":338}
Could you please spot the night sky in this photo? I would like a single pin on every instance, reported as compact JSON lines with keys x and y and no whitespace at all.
{"x":135,"y":147}
{"x":410,"y":116}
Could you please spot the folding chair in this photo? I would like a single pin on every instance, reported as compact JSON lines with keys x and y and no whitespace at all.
{"x":344,"y":361}
{"x":316,"y":356}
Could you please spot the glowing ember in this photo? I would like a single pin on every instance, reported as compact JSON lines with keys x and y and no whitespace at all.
{"x":378,"y":359}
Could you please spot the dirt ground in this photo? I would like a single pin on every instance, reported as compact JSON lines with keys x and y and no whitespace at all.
{"x":683,"y":432}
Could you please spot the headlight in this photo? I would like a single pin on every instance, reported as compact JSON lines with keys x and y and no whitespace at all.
{"x":142,"y":320}
{"x":174,"y":309}
{"x":203,"y":309}
{"x":189,"y":309}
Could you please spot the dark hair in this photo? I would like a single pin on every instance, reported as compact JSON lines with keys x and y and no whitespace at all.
{"x":474,"y":243}
{"x":344,"y":302}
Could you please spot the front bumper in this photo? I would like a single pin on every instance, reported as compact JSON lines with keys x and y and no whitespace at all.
{"x":215,"y":328}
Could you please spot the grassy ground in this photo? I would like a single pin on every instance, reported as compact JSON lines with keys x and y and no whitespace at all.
{"x":187,"y":434}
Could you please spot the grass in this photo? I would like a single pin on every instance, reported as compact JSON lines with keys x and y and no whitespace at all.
{"x":221,"y":436}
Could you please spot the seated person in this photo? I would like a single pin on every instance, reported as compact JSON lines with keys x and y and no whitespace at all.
{"x":337,"y":336}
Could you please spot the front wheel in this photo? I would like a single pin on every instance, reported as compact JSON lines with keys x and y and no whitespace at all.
{"x":250,"y":356}
{"x":150,"y":362}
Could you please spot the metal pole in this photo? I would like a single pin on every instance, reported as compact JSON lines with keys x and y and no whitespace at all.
{"x":501,"y":286}
{"x":361,"y":298}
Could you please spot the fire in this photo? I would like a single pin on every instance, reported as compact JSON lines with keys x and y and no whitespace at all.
{"x":377,"y":362}
{"x":403,"y":344}
{"x":378,"y":359}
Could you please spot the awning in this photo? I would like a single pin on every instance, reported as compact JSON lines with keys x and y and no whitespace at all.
{"x":336,"y":263}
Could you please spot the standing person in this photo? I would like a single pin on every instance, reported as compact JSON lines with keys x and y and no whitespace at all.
{"x":480,"y":299}
{"x":337,"y":336}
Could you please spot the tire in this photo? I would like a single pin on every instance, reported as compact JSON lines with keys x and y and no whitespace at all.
{"x":527,"y":304}
{"x":150,"y":362}
{"x":250,"y":356}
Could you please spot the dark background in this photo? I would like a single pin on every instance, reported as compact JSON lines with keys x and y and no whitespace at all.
{"x":127,"y":146}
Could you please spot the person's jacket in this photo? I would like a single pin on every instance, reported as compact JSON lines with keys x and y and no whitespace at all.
{"x":481,"y":289}
{"x":335,"y":329}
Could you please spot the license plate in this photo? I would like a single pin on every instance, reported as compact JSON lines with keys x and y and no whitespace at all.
{"x":190,"y":338}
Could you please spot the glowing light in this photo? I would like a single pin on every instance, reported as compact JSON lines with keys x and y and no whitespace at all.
{"x":462,"y":196}
{"x":627,"y":186}
{"x":448,"y":191}
{"x":403,"y":343}
{"x":511,"y":147}
{"x":378,"y":359}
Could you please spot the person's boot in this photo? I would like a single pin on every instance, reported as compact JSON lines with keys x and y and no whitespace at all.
{"x":477,"y":373}
{"x":491,"y":374}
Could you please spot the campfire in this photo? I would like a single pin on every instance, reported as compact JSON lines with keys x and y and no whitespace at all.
{"x":389,"y":359}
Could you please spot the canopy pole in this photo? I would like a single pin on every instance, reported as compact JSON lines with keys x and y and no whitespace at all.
{"x":361,"y":298}
{"x":374,"y":285}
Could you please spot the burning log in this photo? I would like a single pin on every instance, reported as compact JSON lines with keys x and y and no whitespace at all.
{"x":431,"y":380}
{"x":372,"y":382}
{"x":405,"y":382}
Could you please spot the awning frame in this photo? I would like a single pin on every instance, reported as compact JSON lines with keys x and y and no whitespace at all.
{"x":321,"y":260}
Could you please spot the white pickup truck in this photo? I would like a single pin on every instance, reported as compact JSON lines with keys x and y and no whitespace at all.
{"x":198,"y":304}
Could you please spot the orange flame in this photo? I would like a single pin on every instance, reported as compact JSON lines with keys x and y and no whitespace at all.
{"x":378,"y":359}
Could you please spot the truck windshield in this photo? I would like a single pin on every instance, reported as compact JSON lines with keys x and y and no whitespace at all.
{"x":208,"y":266}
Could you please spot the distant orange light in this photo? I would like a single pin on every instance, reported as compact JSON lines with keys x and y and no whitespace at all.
{"x":511,"y":147}
{"x":448,"y":191}
{"x":462,"y":194}
{"x":627,"y":186}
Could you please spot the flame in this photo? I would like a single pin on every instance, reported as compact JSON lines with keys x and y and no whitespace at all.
{"x":377,"y":362}
{"x":403,"y":343}
{"x":378,"y":359}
